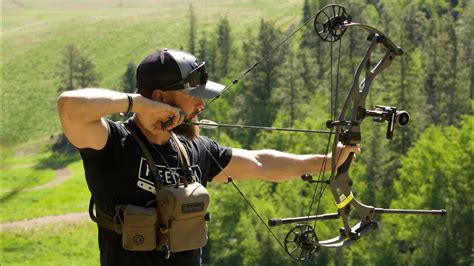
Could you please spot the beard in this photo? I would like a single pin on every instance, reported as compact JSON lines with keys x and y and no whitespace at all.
{"x":189,"y":131}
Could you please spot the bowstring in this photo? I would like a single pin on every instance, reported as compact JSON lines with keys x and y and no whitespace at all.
{"x":230,"y":180}
{"x":321,"y":174}
{"x":333,"y":111}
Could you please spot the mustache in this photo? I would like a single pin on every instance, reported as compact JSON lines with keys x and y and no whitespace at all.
{"x":194,"y":114}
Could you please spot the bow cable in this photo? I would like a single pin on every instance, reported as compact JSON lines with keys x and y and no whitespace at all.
{"x":230,"y":180}
{"x":270,"y":53}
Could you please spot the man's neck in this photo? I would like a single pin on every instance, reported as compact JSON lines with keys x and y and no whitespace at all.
{"x":159,"y":139}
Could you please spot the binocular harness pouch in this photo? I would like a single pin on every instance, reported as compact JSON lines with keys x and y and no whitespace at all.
{"x":182,"y":211}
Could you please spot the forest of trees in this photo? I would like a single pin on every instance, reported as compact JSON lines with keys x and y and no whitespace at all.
{"x":427,"y":165}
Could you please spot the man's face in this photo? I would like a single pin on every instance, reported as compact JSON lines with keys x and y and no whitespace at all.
{"x":189,"y":104}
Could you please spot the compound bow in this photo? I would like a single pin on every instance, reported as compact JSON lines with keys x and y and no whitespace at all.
{"x":301,"y":242}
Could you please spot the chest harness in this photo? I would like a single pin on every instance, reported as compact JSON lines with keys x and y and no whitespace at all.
{"x":176,"y":220}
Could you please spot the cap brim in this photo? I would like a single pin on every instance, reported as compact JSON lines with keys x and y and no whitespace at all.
{"x":208,"y":91}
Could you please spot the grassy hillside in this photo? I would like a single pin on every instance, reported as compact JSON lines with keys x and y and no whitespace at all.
{"x":64,"y":244}
{"x":112,"y":33}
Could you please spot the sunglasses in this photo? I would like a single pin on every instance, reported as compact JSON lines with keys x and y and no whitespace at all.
{"x":196,"y":77}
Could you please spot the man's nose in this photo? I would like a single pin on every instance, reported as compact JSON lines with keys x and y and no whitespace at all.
{"x":200,"y":103}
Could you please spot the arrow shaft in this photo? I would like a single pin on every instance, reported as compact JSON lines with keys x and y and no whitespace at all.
{"x":262,"y":128}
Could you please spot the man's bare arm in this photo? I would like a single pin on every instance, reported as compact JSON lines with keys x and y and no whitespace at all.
{"x":81,"y":112}
{"x":276,"y":166}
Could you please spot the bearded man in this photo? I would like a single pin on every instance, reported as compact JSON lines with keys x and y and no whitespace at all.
{"x":171,"y":88}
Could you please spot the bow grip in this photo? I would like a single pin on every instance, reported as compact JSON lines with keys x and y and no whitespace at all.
{"x":345,"y":166}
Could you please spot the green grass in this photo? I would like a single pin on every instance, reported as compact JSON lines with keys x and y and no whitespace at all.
{"x":71,"y":196}
{"x":113,"y":33}
{"x":18,"y":168}
{"x":61,"y":244}
{"x":30,"y":164}
{"x":24,"y":178}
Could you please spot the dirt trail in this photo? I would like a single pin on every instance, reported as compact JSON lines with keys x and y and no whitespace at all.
{"x":17,"y":166}
{"x":46,"y":220}
{"x":61,"y":176}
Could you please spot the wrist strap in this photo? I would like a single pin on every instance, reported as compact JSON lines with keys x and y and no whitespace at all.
{"x":130,"y":106}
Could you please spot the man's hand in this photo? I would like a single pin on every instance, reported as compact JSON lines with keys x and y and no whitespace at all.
{"x":153,"y":115}
{"x":343,"y":151}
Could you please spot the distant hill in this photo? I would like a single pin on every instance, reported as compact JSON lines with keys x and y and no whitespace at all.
{"x":113,"y":33}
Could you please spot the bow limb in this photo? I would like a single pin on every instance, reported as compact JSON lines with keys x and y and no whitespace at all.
{"x":389,"y":44}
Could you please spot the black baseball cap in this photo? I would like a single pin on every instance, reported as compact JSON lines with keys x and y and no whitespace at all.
{"x":170,"y":70}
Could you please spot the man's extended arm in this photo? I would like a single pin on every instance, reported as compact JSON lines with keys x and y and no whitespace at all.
{"x":271,"y":165}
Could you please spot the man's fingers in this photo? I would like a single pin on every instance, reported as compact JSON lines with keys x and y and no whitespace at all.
{"x":176,"y":119}
{"x":354,"y":149}
{"x":357,"y":148}
{"x":182,"y":117}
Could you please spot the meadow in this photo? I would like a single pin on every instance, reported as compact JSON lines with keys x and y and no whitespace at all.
{"x":113,"y":33}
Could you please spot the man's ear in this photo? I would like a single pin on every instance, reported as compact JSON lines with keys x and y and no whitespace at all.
{"x":157,"y":95}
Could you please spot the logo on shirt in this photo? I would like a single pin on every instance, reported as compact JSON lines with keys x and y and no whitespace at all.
{"x":168,"y":175}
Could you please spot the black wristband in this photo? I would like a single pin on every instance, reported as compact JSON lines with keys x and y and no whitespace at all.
{"x":130,"y":106}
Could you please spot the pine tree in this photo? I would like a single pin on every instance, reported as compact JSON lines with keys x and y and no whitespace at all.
{"x":308,"y":39}
{"x":202,"y":52}
{"x":224,"y":46}
{"x":466,"y":55}
{"x":129,"y":83}
{"x":192,"y":30}
{"x":67,"y":67}
{"x":86,"y":75}
{"x":76,"y":70}
{"x":259,"y":106}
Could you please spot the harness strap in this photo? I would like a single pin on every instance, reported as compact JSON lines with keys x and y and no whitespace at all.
{"x":103,"y":219}
{"x":183,"y":154}
{"x":107,"y":221}
{"x":148,"y":157}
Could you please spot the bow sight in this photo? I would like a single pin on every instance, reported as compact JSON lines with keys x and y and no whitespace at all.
{"x":301,"y":242}
{"x":389,"y":114}
{"x":380,"y":114}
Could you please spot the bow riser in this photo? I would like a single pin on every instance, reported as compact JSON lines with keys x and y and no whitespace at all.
{"x":340,"y":182}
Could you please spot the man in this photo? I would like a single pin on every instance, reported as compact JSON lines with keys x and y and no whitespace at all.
{"x":171,"y":88}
